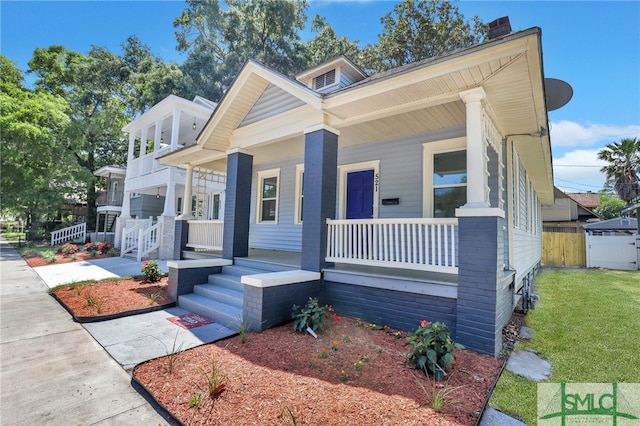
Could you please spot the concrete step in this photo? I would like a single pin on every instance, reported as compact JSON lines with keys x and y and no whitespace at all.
{"x":192,"y":255}
{"x":223,"y":280}
{"x":260,"y":265}
{"x":220,"y":294}
{"x":238,"y":271}
{"x":221,"y":313}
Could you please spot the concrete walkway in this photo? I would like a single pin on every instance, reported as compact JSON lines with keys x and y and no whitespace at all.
{"x":51,"y":370}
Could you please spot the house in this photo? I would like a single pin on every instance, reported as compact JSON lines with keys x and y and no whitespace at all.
{"x":153,"y":193}
{"x":589,"y":200}
{"x":109,"y":202}
{"x":412,"y":194}
{"x":566,"y":214}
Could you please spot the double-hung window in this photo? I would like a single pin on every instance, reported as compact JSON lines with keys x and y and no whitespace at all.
{"x":267,"y":206}
{"x":445,"y":177}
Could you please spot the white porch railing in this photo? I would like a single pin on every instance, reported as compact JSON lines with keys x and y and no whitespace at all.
{"x":131,"y":235}
{"x":148,"y":241}
{"x":70,"y":233}
{"x":205,"y":234}
{"x":427,"y":244}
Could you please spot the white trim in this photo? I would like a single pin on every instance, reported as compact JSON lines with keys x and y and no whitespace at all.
{"x":479,"y":212}
{"x":321,"y":126}
{"x":428,"y":151}
{"x":342,"y":184}
{"x":273,"y":279}
{"x":297,"y":203}
{"x":264,"y":174}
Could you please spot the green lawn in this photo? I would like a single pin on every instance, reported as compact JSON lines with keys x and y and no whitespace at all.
{"x":587,"y":324}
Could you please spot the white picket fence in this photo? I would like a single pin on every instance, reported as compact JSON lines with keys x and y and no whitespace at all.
{"x":427,"y":244}
{"x":71,"y":233}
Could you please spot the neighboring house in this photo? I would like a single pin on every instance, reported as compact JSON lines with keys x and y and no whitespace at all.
{"x":566,"y":214}
{"x":613,"y":244}
{"x":154,"y":193}
{"x":589,"y":200}
{"x":109,"y":202}
{"x":412,"y":194}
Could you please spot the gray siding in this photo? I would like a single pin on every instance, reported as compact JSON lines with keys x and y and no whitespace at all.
{"x":401,"y":176}
{"x":144,"y":206}
{"x":272,"y":102}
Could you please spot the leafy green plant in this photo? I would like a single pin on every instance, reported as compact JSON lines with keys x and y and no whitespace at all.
{"x":196,"y":400}
{"x":68,"y":249}
{"x":432,"y":348}
{"x":343,"y":376}
{"x":215,"y":380}
{"x":48,"y":256}
{"x":151,"y":271}
{"x":311,"y":316}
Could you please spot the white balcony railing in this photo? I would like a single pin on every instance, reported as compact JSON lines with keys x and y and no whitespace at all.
{"x":205,"y":234}
{"x":426,"y":244}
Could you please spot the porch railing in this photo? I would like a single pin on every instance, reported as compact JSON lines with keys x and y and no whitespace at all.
{"x":205,"y":234}
{"x":131,"y":235}
{"x":75,"y":232}
{"x":110,"y":198}
{"x":427,"y":244}
{"x":148,"y":241}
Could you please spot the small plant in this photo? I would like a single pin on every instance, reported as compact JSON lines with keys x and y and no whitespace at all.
{"x":74,"y":257}
{"x":153,"y":298}
{"x":68,"y":249}
{"x":323,"y":352}
{"x":215,"y":380}
{"x":358,"y":365}
{"x":291,"y":415}
{"x":49,"y":257}
{"x":439,"y":393}
{"x":90,"y":298}
{"x":432,"y":348}
{"x":343,"y":376}
{"x":311,"y":316}
{"x":196,"y":400}
{"x":98,"y":304}
{"x":173,"y":354}
{"x":313,"y":365}
{"x":365,"y":359}
{"x":93,"y":254}
{"x":242,"y":326}
{"x":335,"y":345}
{"x":112,"y":252}
{"x":346,"y":338}
{"x":151,"y":271}
{"x":104,"y":247}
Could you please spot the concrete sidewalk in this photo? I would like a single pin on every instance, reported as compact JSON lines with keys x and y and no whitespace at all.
{"x":51,"y":370}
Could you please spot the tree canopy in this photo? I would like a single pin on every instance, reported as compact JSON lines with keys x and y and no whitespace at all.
{"x":623,"y":168}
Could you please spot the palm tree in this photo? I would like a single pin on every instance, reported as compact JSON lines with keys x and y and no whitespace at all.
{"x":623,"y":168}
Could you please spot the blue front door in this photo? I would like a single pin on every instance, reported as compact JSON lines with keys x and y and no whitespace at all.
{"x":360,"y":195}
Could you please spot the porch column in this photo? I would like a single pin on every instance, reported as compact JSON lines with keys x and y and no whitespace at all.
{"x":175,"y":129}
{"x":143,"y":143}
{"x":238,"y":205}
{"x":170,"y":196}
{"x":320,"y":181}
{"x":125,"y":213}
{"x":132,"y":143}
{"x":186,"y":198}
{"x":157,"y":136}
{"x":476,"y":161}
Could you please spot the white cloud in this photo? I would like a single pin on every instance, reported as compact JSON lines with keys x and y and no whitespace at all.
{"x":569,"y":133}
{"x":579,"y":171}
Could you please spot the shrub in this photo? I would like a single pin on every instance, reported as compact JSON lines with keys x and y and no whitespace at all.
{"x":312,"y":315}
{"x":104,"y":247}
{"x":68,"y":249}
{"x":151,"y":271}
{"x":432,"y":348}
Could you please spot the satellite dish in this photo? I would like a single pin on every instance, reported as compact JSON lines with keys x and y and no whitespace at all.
{"x":558,"y":93}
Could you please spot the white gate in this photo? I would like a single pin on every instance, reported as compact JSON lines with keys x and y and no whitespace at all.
{"x":613,"y":251}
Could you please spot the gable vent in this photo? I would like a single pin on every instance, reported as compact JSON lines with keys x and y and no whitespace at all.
{"x":324,"y":80}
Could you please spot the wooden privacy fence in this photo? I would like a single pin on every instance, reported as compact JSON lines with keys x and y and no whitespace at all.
{"x":563,"y":249}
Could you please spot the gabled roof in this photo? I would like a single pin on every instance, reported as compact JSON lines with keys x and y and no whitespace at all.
{"x":618,"y":223}
{"x":589,"y":200}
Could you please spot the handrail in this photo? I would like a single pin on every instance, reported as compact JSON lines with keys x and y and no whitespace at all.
{"x":69,"y":233}
{"x":130,"y":236}
{"x":148,"y":241}
{"x":205,"y":234}
{"x":427,"y":244}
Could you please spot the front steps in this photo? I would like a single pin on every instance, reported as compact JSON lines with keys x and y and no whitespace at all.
{"x":221,"y":298}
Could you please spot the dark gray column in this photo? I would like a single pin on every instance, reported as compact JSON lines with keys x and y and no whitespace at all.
{"x":237,"y":206}
{"x":320,"y":178}
{"x":181,"y":238}
{"x":480,"y":251}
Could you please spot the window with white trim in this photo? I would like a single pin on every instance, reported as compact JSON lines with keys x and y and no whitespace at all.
{"x":267,"y":205}
{"x":445,"y":177}
{"x":299,"y":200}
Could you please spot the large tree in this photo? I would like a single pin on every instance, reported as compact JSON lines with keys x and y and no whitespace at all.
{"x":220,"y":37}
{"x":37,"y":171}
{"x":419,"y":29}
{"x":327,"y":44}
{"x":623,"y":168}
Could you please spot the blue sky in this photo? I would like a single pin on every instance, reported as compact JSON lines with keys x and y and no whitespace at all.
{"x":593,"y":45}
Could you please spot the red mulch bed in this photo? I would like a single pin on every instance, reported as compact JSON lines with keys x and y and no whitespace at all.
{"x":279,"y":375}
{"x":35,"y":260}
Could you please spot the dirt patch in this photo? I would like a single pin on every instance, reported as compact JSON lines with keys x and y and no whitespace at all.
{"x":113,"y":296}
{"x":352,"y":374}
